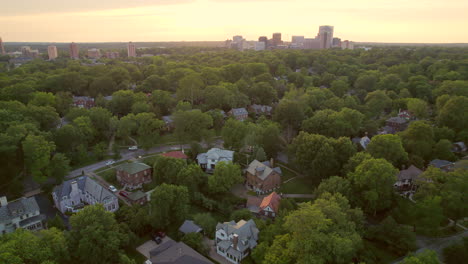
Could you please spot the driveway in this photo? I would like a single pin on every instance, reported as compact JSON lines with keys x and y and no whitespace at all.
{"x":149,"y":245}
{"x":212,"y":253}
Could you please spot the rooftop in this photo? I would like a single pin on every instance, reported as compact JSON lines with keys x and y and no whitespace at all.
{"x":175,"y":154}
{"x":134,"y":167}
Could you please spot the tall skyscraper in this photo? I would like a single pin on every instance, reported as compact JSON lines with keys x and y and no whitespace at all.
{"x":277,"y":39}
{"x":74,"y":52}
{"x":52,"y":51}
{"x":131,"y":50}
{"x":325,"y":36}
{"x":263,"y":39}
{"x":2,"y":49}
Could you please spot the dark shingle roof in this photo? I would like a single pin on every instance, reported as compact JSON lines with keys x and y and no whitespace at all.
{"x":134,"y":167}
{"x":189,"y":227}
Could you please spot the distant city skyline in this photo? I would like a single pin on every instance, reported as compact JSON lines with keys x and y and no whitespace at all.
{"x":419,"y":21}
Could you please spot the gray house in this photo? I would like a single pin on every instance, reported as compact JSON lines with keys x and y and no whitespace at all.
{"x":234,"y":241}
{"x":208,"y":160}
{"x":73,"y":195}
{"x":22,"y":213}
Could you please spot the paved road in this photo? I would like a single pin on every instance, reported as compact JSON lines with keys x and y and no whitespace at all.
{"x":126,"y":155}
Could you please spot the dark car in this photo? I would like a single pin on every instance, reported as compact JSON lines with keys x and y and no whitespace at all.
{"x":161,"y":234}
{"x":123,"y":193}
{"x":156,"y":238}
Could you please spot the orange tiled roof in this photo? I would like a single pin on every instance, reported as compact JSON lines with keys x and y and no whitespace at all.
{"x":272,"y":200}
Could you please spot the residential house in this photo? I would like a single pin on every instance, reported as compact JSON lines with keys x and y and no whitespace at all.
{"x":21,"y":213}
{"x":364,"y":141}
{"x":137,"y":197}
{"x":406,"y":179}
{"x":396,"y":124}
{"x":459,"y":147}
{"x":74,"y":194}
{"x":168,"y":123}
{"x":189,"y":227}
{"x":234,"y":241}
{"x":444,"y":165}
{"x":405,"y":114}
{"x":262,"y":178}
{"x":83,"y":102}
{"x":266,"y":206}
{"x":240,"y":114}
{"x":133,"y":175}
{"x":208,"y":160}
{"x":261,"y":110}
{"x":175,"y":154}
{"x":172,"y":252}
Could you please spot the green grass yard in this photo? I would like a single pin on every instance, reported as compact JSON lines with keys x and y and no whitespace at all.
{"x":299,"y":185}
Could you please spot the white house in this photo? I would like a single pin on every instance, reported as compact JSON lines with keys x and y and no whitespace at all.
{"x":208,"y":160}
{"x":22,"y":213}
{"x":234,"y":241}
{"x":73,"y":195}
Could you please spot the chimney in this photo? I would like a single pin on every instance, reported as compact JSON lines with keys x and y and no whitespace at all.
{"x":74,"y":187}
{"x":235,"y":240}
{"x":272,"y":164}
{"x":3,"y":201}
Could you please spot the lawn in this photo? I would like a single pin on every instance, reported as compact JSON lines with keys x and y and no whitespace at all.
{"x":299,"y":185}
{"x":287,"y":174}
{"x":109,"y":176}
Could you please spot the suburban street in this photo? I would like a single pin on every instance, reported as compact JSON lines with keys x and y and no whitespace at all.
{"x":128,"y":154}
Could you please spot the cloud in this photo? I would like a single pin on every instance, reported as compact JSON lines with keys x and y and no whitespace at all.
{"x":26,"y":7}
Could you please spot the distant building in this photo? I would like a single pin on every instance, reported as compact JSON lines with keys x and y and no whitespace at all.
{"x":407,"y":178}
{"x":137,"y":197}
{"x":73,"y":195}
{"x":94,"y":53}
{"x":112,"y":55}
{"x":133,"y":175}
{"x":240,"y":114}
{"x":26,"y":51}
{"x":2,"y":48}
{"x":22,"y":213}
{"x":235,"y":241}
{"x":347,"y":44}
{"x":131,"y":50}
{"x":444,"y":165}
{"x":83,"y":102}
{"x":311,"y":43}
{"x":297,"y":39}
{"x":52,"y":51}
{"x":237,"y":38}
{"x":259,"y":45}
{"x":261,"y":109}
{"x":210,"y":159}
{"x":238,"y":42}
{"x":74,"y":52}
{"x":325,"y":36}
{"x":397,"y":124}
{"x":336,"y":43}
{"x":276,"y":40}
{"x":264,"y":39}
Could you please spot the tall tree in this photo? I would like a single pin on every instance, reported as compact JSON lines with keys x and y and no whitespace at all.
{"x":224,"y":177}
{"x":37,"y":152}
{"x":169,"y":204}
{"x":388,"y":147}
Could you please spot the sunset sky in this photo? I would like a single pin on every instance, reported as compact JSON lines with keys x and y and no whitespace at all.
{"x":195,"y":20}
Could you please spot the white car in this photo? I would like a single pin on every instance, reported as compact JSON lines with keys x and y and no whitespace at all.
{"x":112,"y":188}
{"x":110,"y":162}
{"x":133,"y":148}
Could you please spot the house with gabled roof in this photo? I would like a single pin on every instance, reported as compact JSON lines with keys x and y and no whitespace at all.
{"x":240,"y":114}
{"x":407,"y":178}
{"x":133,"y":175}
{"x":208,"y":160}
{"x":235,"y":241}
{"x":262,"y":178}
{"x":266,"y":206}
{"x":172,"y":252}
{"x":21,"y":213}
{"x":261,"y":109}
{"x":75,"y":194}
{"x":444,"y":165}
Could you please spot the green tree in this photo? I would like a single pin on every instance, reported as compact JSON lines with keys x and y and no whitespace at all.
{"x":95,"y":232}
{"x":37,"y":151}
{"x":100,"y":150}
{"x":426,"y":257}
{"x":224,"y":177}
{"x":453,"y":194}
{"x":192,"y":125}
{"x":148,"y":129}
{"x":190,"y":88}
{"x":397,"y":238}
{"x":169,"y":204}
{"x":430,"y":215}
{"x":418,"y":139}
{"x":453,"y":113}
{"x":167,"y":169}
{"x":207,"y":222}
{"x":418,"y":107}
{"x":388,"y":147}
{"x":334,"y":184}
{"x":372,"y":185}
{"x":443,"y":150}
{"x":290,"y":115}
{"x":59,"y":167}
{"x":234,"y":133}
{"x":241,"y":214}
{"x":456,"y":252}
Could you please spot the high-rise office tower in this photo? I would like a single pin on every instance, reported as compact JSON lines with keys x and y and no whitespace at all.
{"x":52,"y":51}
{"x":263,"y":39}
{"x":131,"y":50}
{"x":2,"y":49}
{"x":74,"y":52}
{"x":325,"y":36}
{"x":277,"y":39}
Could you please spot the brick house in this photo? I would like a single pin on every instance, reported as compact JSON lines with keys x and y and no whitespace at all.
{"x":83,"y":102}
{"x":133,"y":175}
{"x":261,"y":178}
{"x":137,"y":197}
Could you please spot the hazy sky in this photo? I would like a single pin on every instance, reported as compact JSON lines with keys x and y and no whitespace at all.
{"x":175,"y":20}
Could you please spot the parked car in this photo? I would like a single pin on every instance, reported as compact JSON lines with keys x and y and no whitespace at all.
{"x":123,"y":193}
{"x":112,"y":188}
{"x":160,"y":234}
{"x":158,"y":237}
{"x":158,"y":240}
{"x":110,"y":162}
{"x":133,"y":148}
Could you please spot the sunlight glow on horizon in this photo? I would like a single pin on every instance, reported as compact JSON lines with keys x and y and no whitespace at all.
{"x":428,"y":21}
